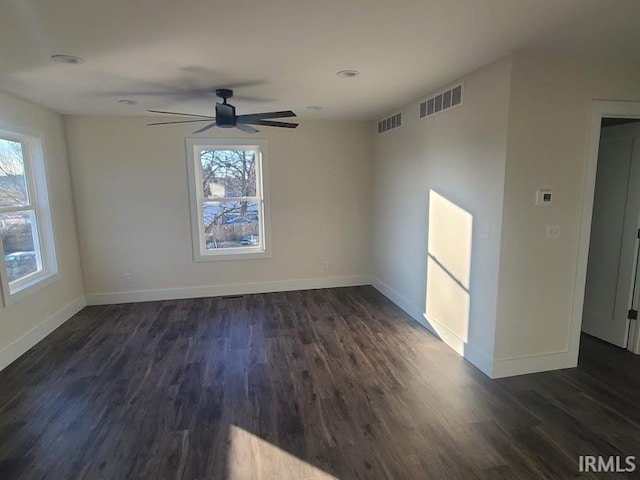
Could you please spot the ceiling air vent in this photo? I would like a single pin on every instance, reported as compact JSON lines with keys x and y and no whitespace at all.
{"x":443,"y":101}
{"x":389,"y":123}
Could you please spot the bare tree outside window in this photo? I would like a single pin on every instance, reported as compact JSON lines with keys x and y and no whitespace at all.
{"x":17,"y":216}
{"x":229,"y":214}
{"x":13,"y":189}
{"x":231,"y":207}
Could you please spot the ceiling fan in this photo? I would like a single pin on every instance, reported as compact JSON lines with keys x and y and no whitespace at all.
{"x":226,"y":117}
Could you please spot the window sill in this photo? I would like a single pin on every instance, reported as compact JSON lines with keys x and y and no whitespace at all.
{"x":245,"y":255}
{"x":25,"y":289}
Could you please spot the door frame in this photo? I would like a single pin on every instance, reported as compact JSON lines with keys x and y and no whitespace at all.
{"x":599,"y":109}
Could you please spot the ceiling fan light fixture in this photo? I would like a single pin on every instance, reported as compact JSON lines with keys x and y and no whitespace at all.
{"x":347,"y":73}
{"x":67,"y":59}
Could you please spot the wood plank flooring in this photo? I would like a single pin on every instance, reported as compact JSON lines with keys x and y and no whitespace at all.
{"x":335,"y":383}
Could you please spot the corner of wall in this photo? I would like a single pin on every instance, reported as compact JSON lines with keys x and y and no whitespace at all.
{"x":442,"y":154}
{"x":29,"y":320}
{"x":477,"y":358}
{"x":512,"y":61}
{"x":31,"y":338}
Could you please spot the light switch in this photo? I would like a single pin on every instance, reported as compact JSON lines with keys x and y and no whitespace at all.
{"x":553,"y":232}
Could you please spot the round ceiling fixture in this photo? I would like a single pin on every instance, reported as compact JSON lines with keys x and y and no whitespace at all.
{"x":314,"y":108}
{"x":68,"y":59}
{"x":348,"y":73}
{"x":125,"y":101}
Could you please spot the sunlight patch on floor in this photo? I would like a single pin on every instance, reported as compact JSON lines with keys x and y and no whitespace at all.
{"x":250,"y":457}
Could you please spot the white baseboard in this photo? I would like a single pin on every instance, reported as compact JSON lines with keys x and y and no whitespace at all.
{"x":492,"y":368}
{"x":223,"y":290}
{"x":544,"y":362}
{"x":483,"y":362}
{"x":475,"y":357}
{"x":18,"y":347}
{"x":401,"y":301}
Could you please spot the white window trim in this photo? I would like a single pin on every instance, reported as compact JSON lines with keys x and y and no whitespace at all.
{"x":200,"y":253}
{"x":36,"y":177}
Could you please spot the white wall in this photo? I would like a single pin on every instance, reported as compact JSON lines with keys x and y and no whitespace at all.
{"x":460,"y":154}
{"x":131,"y":200}
{"x":24,"y":323}
{"x":547,"y":148}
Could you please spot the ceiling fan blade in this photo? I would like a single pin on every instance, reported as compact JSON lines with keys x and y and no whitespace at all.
{"x":246,"y":128}
{"x":176,"y":113}
{"x":180,"y":121}
{"x":263,"y":116}
{"x":206,"y":127}
{"x":269,"y":123}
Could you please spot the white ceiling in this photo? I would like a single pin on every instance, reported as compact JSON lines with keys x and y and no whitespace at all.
{"x":285,"y":52}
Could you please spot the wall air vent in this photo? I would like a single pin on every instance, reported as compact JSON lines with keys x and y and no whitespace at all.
{"x":442,"y":101}
{"x":389,"y":123}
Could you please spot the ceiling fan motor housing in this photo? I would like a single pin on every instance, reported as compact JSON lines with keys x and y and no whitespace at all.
{"x":225,"y":115}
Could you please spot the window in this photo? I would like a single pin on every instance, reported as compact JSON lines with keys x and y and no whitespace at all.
{"x":228,"y":215}
{"x":25,"y":226}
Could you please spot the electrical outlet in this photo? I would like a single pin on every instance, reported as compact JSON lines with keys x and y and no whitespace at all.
{"x":127,"y":277}
{"x":325,"y":266}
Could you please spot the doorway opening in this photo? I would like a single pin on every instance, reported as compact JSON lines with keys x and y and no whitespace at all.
{"x":608,"y":261}
{"x":611,"y":291}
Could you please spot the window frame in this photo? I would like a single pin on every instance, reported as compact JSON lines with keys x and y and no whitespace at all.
{"x":42,"y":228}
{"x":194,"y":146}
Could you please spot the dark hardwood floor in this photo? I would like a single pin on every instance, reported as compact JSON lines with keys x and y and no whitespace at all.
{"x":298,"y":385}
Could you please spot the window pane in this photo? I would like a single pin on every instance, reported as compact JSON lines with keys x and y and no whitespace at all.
{"x":13,"y":186}
{"x":228,"y":173}
{"x":19,"y":239}
{"x":231,"y":224}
